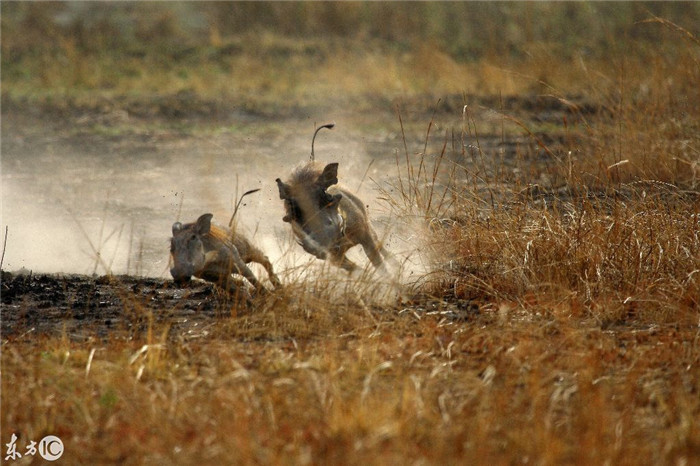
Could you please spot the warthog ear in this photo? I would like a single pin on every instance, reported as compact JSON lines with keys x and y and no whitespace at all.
{"x":284,"y":189}
{"x":177,"y":226}
{"x":203,"y":225}
{"x":329,"y":176}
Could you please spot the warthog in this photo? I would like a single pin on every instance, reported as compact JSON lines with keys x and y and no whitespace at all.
{"x":213,"y":253}
{"x":327,"y":219}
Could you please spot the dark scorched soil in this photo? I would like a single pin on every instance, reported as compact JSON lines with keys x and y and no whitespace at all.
{"x":82,"y":305}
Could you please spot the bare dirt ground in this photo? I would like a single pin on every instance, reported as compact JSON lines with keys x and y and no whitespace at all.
{"x":80,"y":306}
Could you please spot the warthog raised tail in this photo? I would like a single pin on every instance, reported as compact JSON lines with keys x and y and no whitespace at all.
{"x":213,"y":253}
{"x":327,"y":219}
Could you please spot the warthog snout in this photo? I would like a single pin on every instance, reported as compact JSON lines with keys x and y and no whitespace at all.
{"x":327,"y":219}
{"x":213,"y":253}
{"x":187,"y":251}
{"x":314,"y":212}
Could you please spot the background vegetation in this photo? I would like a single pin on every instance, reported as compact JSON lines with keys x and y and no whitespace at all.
{"x":303,"y":52}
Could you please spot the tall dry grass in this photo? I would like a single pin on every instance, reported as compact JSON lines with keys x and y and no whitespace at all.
{"x":504,"y":387}
{"x":597,"y":215}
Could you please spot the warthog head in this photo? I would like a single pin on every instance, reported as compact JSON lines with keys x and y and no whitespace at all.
{"x":312,"y":210}
{"x":326,"y":219}
{"x":213,"y":253}
{"x":187,"y":248}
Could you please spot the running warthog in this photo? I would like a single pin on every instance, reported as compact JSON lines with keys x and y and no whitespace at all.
{"x":213,"y":253}
{"x":327,"y":219}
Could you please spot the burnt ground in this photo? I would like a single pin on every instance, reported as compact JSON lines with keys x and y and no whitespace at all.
{"x":80,"y":306}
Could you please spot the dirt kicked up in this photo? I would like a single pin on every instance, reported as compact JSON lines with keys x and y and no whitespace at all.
{"x":108,"y":182}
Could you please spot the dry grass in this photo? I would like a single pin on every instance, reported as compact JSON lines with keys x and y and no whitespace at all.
{"x":513,"y":385}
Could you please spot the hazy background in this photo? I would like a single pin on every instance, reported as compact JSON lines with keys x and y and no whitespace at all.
{"x":120,"y":118}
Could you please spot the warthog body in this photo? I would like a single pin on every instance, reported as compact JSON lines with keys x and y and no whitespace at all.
{"x":213,"y":253}
{"x":327,"y":219}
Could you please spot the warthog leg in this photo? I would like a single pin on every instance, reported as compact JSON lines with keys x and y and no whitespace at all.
{"x":258,"y":256}
{"x":226,"y":261}
{"x":308,"y":243}
{"x":343,"y":262}
{"x":240,"y":266}
{"x":372,"y":249}
{"x":235,"y":287}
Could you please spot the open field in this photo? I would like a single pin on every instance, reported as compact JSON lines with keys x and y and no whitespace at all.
{"x":540,"y":196}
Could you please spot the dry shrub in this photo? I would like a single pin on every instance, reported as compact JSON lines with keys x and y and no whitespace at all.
{"x":643,"y":259}
{"x":605,"y":219}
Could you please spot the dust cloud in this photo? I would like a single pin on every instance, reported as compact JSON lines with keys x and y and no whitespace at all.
{"x":74,"y":207}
